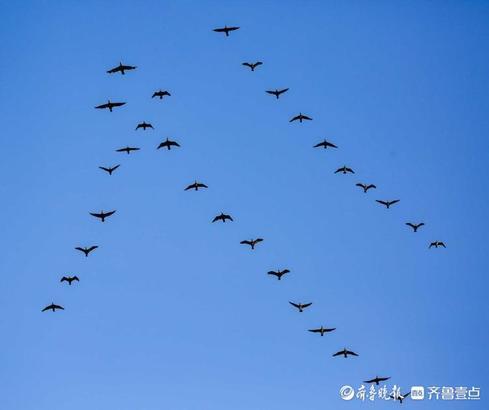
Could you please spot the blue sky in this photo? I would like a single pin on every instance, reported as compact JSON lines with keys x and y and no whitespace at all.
{"x":170,"y":311}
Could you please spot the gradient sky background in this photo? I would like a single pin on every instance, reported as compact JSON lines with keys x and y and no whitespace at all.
{"x":171,"y":312}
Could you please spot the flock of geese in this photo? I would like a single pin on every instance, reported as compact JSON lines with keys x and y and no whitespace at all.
{"x":196,"y":186}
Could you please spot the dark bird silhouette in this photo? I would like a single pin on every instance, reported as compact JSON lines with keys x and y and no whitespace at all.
{"x":399,"y":397}
{"x":377,"y":380}
{"x":300,"y":306}
{"x":388,"y":204}
{"x":102,"y":215}
{"x":252,"y":65}
{"x":110,"y":105}
{"x":69,"y":279}
{"x":121,"y":68}
{"x":415,"y":226}
{"x":325,"y":144}
{"x":109,"y":170}
{"x":144,"y":125}
{"x":366,"y":187}
{"x":196,"y":185}
{"x":279,"y":274}
{"x":225,"y":30}
{"x":277,"y":93}
{"x":168,"y":144}
{"x":251,"y":242}
{"x":85,"y":250}
{"x":128,"y":149}
{"x":161,"y":94}
{"x":322,"y":330}
{"x":437,"y":244}
{"x":222,"y":217}
{"x":345,"y":353}
{"x":344,"y":170}
{"x":301,"y":117}
{"x":53,"y":307}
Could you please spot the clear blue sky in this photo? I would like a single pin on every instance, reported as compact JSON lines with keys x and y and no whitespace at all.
{"x":171,"y":312}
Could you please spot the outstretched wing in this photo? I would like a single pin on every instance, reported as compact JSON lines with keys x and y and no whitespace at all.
{"x":247,"y":243}
{"x":101,"y":106}
{"x":294,"y":118}
{"x":314,"y":330}
{"x":295,"y":305}
{"x":106,"y":214}
{"x":282,"y":91}
{"x":381,"y":202}
{"x":91,"y":248}
{"x":248,"y":65}
{"x":305,"y":304}
{"x":338,"y":353}
{"x":351,"y":353}
{"x":395,"y":201}
{"x":64,"y":279}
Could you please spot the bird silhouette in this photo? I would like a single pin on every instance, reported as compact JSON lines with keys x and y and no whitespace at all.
{"x":252,"y":65}
{"x":325,"y":144}
{"x":168,"y":144}
{"x":322,"y":330}
{"x":110,"y":105}
{"x":300,"y":306}
{"x":85,"y":250}
{"x":225,"y":30}
{"x":109,"y":170}
{"x":144,"y":125}
{"x":279,"y":274}
{"x":196,"y":186}
{"x":121,"y":68}
{"x":345,"y":353}
{"x":128,"y":149}
{"x":415,"y":226}
{"x":388,"y":204}
{"x":399,"y":397}
{"x":69,"y":279}
{"x":102,"y":215}
{"x":251,"y":242}
{"x":161,"y":94}
{"x":277,"y":93}
{"x":437,"y":244}
{"x":301,"y":117}
{"x":53,"y":307}
{"x":223,"y":218}
{"x":366,"y":187}
{"x":344,"y":170}
{"x":377,"y":380}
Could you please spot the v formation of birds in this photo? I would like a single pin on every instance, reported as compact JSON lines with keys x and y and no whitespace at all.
{"x":223,"y":217}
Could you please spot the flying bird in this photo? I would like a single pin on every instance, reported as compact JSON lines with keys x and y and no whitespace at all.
{"x":69,"y":279}
{"x":437,"y":244}
{"x":279,"y":274}
{"x":344,"y":170}
{"x":168,"y":144}
{"x":161,"y":94}
{"x":121,"y":68}
{"x":345,"y":353}
{"x":399,"y":397}
{"x":366,"y":187}
{"x":53,"y":307}
{"x":388,"y":203}
{"x":322,"y":330}
{"x":222,"y":217}
{"x":252,"y":65}
{"x":144,"y":125}
{"x":277,"y":93}
{"x":225,"y":30}
{"x":415,"y":226}
{"x":325,"y":144}
{"x":128,"y":149}
{"x":377,"y":380}
{"x":301,"y":117}
{"x":300,"y":306}
{"x":251,"y":242}
{"x":110,"y":105}
{"x":85,"y":250}
{"x":109,"y":170}
{"x":196,"y":185}
{"x":102,"y":215}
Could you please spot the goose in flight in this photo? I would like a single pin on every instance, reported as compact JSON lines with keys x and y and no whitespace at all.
{"x":251,"y":242}
{"x":344,"y":170}
{"x":196,"y":185}
{"x":345,"y":353}
{"x":109,"y":170}
{"x":279,"y":274}
{"x":301,"y":117}
{"x":399,"y":397}
{"x":366,"y":187}
{"x":437,"y":244}
{"x":168,"y":144}
{"x":322,"y":330}
{"x":86,"y":250}
{"x":144,"y":125}
{"x":102,"y":215}
{"x":161,"y":94}
{"x":252,"y":65}
{"x":300,"y":306}
{"x":128,"y":149}
{"x":377,"y":380}
{"x":387,"y":204}
{"x":415,"y":226}
{"x":69,"y":279}
{"x":325,"y":144}
{"x":121,"y":68}
{"x":110,"y":105}
{"x":223,"y":218}
{"x":277,"y":93}
{"x":53,"y":307}
{"x":225,"y":30}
